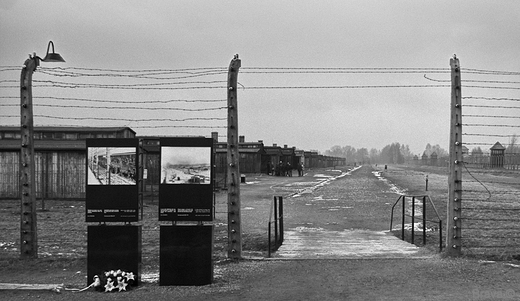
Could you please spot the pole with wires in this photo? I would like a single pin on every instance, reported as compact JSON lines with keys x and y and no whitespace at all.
{"x":28,"y":229}
{"x":453,"y":236}
{"x":233,"y":169}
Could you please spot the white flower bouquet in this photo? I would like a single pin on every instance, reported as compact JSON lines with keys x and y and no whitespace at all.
{"x":112,"y":281}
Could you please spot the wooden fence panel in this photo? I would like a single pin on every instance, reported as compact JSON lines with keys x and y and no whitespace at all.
{"x":9,"y":170}
{"x":70,"y":175}
{"x":59,"y":175}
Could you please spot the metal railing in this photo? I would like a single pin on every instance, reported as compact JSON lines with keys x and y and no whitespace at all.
{"x":277,"y":220}
{"x":413,"y":211}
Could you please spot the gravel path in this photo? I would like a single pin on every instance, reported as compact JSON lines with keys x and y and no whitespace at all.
{"x":325,"y":232}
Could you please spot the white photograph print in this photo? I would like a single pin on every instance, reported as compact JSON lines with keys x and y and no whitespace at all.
{"x":185,"y":165}
{"x":111,"y":166}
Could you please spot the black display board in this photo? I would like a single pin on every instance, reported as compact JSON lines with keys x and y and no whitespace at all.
{"x":186,"y":255}
{"x":113,"y":248}
{"x":112,"y":176}
{"x":186,"y":188}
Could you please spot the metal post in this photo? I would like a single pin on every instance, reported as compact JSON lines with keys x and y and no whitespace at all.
{"x":44,"y":178}
{"x":424,"y":219}
{"x":28,"y":229}
{"x":440,"y":235}
{"x":275,"y":204}
{"x":281,"y":219}
{"x":140,"y":176}
{"x":151,"y":177}
{"x":413,"y":219}
{"x":233,"y":170}
{"x":453,"y":237}
{"x":269,"y":239}
{"x":403,"y":216}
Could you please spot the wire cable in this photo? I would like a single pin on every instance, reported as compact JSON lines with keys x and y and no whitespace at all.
{"x":124,"y":119}
{"x":495,"y":107}
{"x":491,"y":125}
{"x":490,"y":116}
{"x":491,"y":98}
{"x":122,"y":108}
{"x":119,"y":101}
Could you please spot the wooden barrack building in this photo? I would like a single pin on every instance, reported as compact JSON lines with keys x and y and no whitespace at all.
{"x":60,"y":154}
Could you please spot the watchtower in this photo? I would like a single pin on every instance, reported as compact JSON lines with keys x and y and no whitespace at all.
{"x":497,"y":155}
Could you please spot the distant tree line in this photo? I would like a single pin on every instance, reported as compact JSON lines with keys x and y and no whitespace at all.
{"x":394,"y":153}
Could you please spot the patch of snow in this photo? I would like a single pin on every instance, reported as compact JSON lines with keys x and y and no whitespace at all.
{"x":417,"y":227}
{"x":150,"y":277}
{"x":335,"y":208}
{"x":320,"y":198}
{"x":327,"y":179}
{"x":319,"y":175}
{"x":302,"y":183}
{"x":308,"y":229}
{"x":5,"y":244}
{"x":394,"y":188}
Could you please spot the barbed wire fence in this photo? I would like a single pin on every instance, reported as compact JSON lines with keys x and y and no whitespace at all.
{"x":172,"y":102}
{"x":183,"y":102}
{"x":489,"y":209}
{"x":169,"y":101}
{"x":68,"y":97}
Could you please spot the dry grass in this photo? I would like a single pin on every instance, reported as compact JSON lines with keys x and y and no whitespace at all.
{"x":63,"y":253}
{"x":490,"y":206}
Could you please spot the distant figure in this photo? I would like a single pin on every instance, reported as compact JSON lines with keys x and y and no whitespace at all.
{"x":280,"y":171}
{"x":385,"y":167}
{"x":268,"y":167}
{"x":288,"y":170}
{"x":300,"y":169}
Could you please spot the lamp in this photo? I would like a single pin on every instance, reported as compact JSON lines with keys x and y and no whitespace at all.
{"x":52,"y":57}
{"x":28,"y":230}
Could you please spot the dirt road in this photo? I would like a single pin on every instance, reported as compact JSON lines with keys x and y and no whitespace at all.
{"x":350,"y":221}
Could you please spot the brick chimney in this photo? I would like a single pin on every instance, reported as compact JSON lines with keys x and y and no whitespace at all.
{"x":214,"y":135}
{"x":241,"y":139}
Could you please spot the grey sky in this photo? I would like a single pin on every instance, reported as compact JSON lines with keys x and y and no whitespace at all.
{"x":329,"y":34}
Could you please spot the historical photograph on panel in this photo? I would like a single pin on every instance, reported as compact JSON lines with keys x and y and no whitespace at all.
{"x":112,"y":166}
{"x":185,"y":165}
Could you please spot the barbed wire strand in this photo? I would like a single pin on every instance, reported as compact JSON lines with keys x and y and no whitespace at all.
{"x":194,"y":69}
{"x":491,"y":98}
{"x":124,"y":119}
{"x":118,"y":101}
{"x":490,"y":116}
{"x":122,"y":108}
{"x":491,"y":125}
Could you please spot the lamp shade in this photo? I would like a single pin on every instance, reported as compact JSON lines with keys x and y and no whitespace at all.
{"x":52,"y":57}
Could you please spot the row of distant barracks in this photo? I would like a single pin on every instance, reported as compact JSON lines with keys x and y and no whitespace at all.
{"x":60,"y":157}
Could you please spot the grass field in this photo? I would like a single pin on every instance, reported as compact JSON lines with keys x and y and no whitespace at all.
{"x":491,"y":212}
{"x":62,"y":230}
{"x":490,"y":206}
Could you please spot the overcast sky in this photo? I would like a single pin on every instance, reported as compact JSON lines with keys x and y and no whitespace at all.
{"x":151,"y":35}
